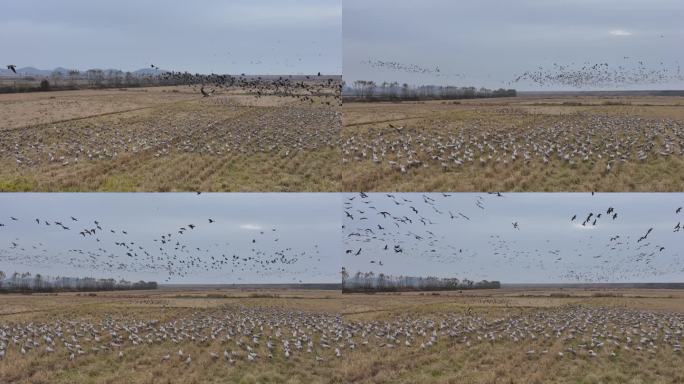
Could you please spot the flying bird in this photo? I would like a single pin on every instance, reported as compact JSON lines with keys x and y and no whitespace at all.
{"x":205,"y":93}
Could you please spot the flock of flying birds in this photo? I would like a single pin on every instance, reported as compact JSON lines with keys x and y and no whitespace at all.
{"x":172,"y":253}
{"x":601,"y":75}
{"x":316,"y":89}
{"x":585,"y":75}
{"x":409,"y":68}
{"x":385,"y":229}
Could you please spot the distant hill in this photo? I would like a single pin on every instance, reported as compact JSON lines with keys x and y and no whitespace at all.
{"x":25,"y":71}
{"x":31,"y":71}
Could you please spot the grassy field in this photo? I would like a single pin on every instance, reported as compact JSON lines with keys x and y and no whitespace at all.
{"x":469,"y":337}
{"x":167,"y":139}
{"x":536,"y":144}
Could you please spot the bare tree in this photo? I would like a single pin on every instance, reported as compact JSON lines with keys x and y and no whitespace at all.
{"x":368,"y":282}
{"x":129,"y":79}
{"x":390,"y":91}
{"x":344,"y":274}
{"x":95,"y":77}
{"x":359,"y":86}
{"x":405,"y":91}
{"x":370,"y":88}
{"x":73,"y":76}
{"x":39,"y":283}
{"x":56,"y":77}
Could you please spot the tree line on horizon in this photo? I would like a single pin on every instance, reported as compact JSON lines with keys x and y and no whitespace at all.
{"x":74,"y":79}
{"x":370,"y":91}
{"x":27,"y":282}
{"x":371,"y":282}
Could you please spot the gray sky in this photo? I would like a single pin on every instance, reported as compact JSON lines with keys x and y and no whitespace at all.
{"x":251,"y":36}
{"x":547,"y":248}
{"x":307,"y":235}
{"x":492,"y":41}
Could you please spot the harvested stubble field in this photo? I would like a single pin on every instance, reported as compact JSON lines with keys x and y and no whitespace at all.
{"x":584,"y":143}
{"x":167,"y":139}
{"x":137,"y":337}
{"x":517,"y":336}
{"x":498,"y":336}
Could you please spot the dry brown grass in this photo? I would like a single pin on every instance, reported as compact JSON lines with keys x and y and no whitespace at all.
{"x":446,"y":362}
{"x":142,"y":364}
{"x":453,"y":362}
{"x":368,"y":121}
{"x":165,"y":139}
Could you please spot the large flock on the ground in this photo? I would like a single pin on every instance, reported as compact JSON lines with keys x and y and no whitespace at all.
{"x":303,"y":124}
{"x":241,"y":335}
{"x":231,"y":335}
{"x":479,"y":142}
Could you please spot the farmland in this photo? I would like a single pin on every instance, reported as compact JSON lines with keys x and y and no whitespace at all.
{"x":171,"y":336}
{"x":517,"y":336}
{"x":176,"y":335}
{"x":528,"y":143}
{"x":168,"y":139}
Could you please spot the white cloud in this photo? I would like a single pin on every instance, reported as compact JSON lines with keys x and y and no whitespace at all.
{"x":251,"y":227}
{"x":620,"y":32}
{"x":578,"y":225}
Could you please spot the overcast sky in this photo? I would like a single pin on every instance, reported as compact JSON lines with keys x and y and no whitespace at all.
{"x":547,"y":248}
{"x":302,"y":227}
{"x":250,"y":36}
{"x":489,"y":42}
